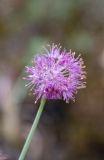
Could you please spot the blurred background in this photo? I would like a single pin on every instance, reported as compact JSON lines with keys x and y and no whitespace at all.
{"x":73,"y":131}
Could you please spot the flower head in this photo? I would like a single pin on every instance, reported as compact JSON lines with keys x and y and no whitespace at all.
{"x":56,"y":74}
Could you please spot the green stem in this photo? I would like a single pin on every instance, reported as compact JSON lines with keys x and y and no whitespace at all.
{"x":31,"y":133}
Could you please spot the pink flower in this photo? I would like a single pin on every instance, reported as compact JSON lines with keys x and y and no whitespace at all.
{"x":56,"y":74}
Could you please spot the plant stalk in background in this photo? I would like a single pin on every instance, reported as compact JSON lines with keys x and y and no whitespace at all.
{"x":33,"y":128}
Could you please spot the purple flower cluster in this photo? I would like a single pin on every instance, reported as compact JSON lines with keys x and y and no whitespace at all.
{"x":56,"y":74}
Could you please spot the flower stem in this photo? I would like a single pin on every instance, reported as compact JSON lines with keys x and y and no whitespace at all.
{"x":33,"y":128}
